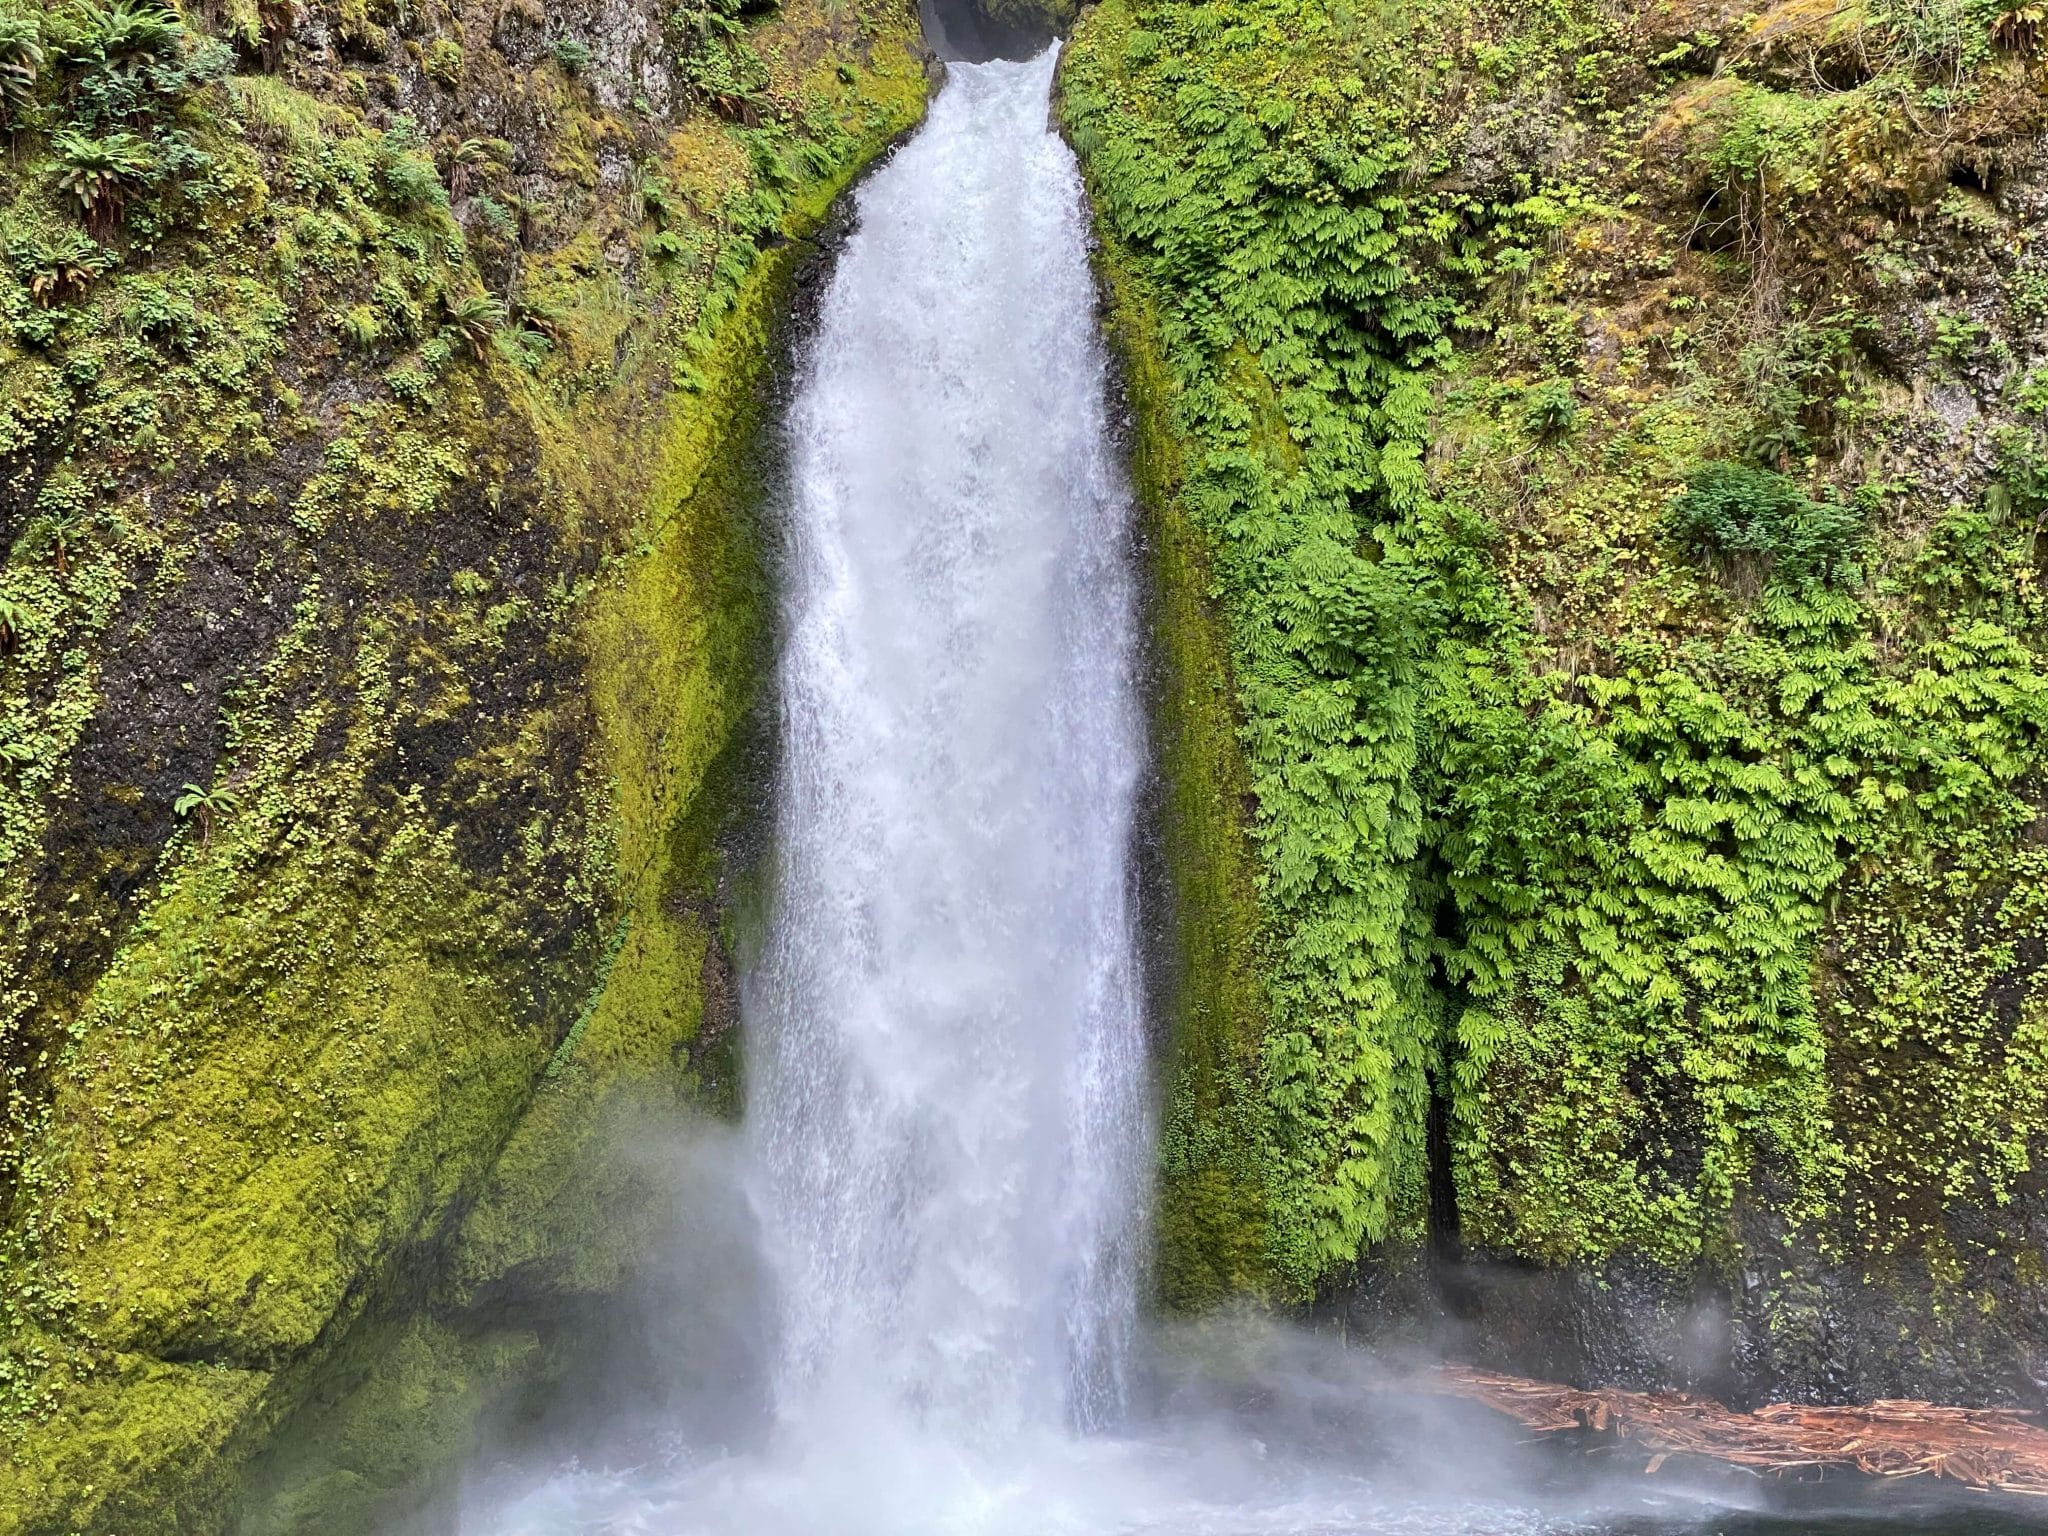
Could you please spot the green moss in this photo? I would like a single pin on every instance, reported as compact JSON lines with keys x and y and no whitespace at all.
{"x":397,"y":1412}
{"x":676,"y":637}
{"x":1212,"y":1216}
{"x":299,"y":1057}
{"x":130,"y":1424}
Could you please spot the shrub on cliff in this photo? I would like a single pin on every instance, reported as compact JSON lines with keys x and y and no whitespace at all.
{"x":128,"y":65}
{"x":1731,"y":512}
{"x":102,"y":173}
{"x":407,"y":169}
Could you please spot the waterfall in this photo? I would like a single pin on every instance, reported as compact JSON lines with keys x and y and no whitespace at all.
{"x":947,"y":1131}
{"x":947,"y":1123}
{"x":945,"y":1104}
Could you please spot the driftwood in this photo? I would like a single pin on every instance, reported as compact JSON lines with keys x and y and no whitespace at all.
{"x":1988,"y":1448}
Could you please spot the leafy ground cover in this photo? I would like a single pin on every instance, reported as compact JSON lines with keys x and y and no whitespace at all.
{"x":1614,"y":440}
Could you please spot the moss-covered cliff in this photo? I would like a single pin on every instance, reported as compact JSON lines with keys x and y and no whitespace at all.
{"x":1595,"y":465}
{"x":1599,"y":456}
{"x":380,"y":621}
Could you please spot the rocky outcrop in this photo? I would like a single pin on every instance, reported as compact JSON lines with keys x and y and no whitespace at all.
{"x":996,"y":29}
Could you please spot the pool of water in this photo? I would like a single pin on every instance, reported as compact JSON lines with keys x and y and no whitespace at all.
{"x":1310,"y":1445}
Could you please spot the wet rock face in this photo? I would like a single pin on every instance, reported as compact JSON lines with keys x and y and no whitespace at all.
{"x":1802,"y":1330}
{"x":1633,"y":1325}
{"x":977,"y":30}
{"x":632,"y":57}
{"x":1964,"y":1322}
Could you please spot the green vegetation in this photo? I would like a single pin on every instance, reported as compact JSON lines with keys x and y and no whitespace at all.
{"x":475,"y":319}
{"x":722,"y":68}
{"x":102,"y":173}
{"x":1211,"y":1211}
{"x":1730,"y":511}
{"x":1605,"y":619}
{"x":573,"y":54}
{"x":203,"y":805}
{"x":21,"y":62}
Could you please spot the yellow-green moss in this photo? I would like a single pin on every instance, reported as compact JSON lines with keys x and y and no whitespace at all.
{"x":398,"y":1408}
{"x":129,"y":1423}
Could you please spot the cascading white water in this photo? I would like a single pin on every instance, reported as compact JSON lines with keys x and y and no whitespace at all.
{"x":945,"y":1103}
{"x":947,"y":1118}
{"x":947,"y":1132}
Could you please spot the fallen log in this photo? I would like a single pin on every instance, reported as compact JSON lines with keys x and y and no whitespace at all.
{"x":1989,"y":1448}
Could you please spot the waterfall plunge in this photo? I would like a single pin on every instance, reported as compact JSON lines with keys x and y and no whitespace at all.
{"x":945,"y":1109}
{"x":947,"y":1131}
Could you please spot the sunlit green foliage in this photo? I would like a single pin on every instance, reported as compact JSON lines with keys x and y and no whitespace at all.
{"x":1569,"y":875}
